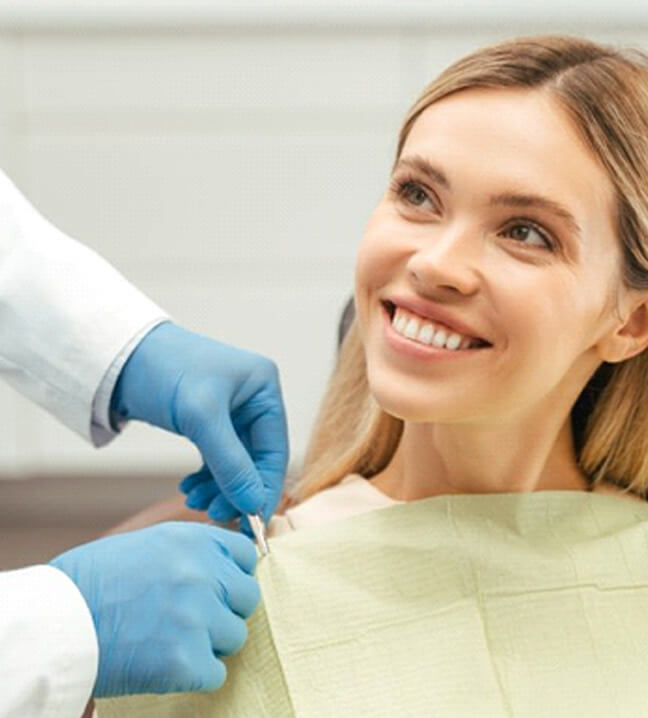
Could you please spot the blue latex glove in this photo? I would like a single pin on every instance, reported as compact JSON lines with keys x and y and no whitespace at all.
{"x":227,"y":401}
{"x":166,"y":602}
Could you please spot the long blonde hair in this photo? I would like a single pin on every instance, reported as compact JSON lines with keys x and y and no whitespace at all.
{"x":605,"y":92}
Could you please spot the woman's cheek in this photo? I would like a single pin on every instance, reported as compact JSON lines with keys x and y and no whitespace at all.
{"x":375,"y":264}
{"x":365,"y":275}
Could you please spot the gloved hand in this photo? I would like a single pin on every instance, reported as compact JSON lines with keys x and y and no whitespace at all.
{"x":167,"y":601}
{"x":227,"y":401}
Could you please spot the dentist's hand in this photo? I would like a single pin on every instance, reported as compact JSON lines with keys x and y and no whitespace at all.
{"x":167,"y":602}
{"x":227,"y":401}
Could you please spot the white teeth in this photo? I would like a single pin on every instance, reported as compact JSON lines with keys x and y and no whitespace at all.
{"x":399,"y":322}
{"x":411,"y":327}
{"x":439,"y":338}
{"x":454,"y":340}
{"x":426,"y":333}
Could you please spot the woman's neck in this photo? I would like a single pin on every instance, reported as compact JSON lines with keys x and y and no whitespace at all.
{"x":433,"y":459}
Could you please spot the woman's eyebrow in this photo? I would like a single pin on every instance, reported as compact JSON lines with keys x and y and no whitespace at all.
{"x":512,"y":199}
{"x":507,"y":199}
{"x":419,"y":163}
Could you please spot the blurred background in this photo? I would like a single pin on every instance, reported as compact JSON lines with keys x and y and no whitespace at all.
{"x":225,"y":158}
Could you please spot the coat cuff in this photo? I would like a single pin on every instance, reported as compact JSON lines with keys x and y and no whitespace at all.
{"x":103,"y":429}
{"x":50,"y":655}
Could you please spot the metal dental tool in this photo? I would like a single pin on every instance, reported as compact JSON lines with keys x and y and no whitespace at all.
{"x":258,"y":529}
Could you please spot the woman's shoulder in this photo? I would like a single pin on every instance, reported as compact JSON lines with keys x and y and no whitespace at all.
{"x":351,"y":496}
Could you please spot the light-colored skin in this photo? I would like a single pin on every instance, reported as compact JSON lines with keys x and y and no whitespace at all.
{"x":496,"y":420}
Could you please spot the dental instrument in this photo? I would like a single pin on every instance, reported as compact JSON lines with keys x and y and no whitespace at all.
{"x":258,"y":528}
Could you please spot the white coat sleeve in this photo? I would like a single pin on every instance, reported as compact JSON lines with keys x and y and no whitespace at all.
{"x":65,"y":314}
{"x":49,"y":655}
{"x":104,"y":423}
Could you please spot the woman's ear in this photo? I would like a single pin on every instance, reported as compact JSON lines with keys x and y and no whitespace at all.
{"x":629,"y":339}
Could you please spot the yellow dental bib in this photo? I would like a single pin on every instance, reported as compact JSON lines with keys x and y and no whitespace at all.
{"x":517,"y":604}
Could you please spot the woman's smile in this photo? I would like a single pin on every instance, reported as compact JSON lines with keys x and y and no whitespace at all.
{"x":418,"y":338}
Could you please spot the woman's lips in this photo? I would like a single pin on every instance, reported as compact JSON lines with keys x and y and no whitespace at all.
{"x":417,"y":350}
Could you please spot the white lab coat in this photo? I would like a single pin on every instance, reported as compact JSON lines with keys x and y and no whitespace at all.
{"x":65,"y":315}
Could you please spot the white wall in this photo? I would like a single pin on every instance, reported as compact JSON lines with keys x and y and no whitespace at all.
{"x":225,"y":158}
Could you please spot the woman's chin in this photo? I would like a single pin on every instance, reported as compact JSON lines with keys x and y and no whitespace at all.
{"x":412,"y":409}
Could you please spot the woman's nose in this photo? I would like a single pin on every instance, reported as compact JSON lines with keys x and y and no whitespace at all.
{"x":450,"y":259}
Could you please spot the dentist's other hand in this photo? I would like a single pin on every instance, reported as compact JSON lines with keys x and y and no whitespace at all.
{"x":167,"y":601}
{"x":227,"y":401}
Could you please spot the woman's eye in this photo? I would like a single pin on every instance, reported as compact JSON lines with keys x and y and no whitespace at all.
{"x":414,"y":194}
{"x":522,"y":231}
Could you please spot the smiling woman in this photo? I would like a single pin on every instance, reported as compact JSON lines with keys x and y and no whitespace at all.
{"x":517,"y":213}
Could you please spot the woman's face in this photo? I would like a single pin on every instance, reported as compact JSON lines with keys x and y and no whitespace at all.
{"x":499,"y":219}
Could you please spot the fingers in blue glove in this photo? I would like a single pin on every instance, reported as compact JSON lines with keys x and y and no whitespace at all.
{"x":251,"y":482}
{"x":242,"y":551}
{"x":221,"y":510}
{"x":229,"y":634}
{"x":267,"y":444}
{"x":232,"y":467}
{"x":166,"y":602}
{"x":194,"y":479}
{"x":201,"y":496}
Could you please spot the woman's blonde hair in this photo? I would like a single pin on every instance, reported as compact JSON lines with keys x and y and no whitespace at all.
{"x":605,"y":92}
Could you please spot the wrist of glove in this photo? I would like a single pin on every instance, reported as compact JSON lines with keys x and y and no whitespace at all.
{"x":167,"y":603}
{"x":148,"y":381}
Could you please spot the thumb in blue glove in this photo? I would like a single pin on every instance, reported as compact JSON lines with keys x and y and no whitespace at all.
{"x":227,"y":401}
{"x":167,"y":602}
